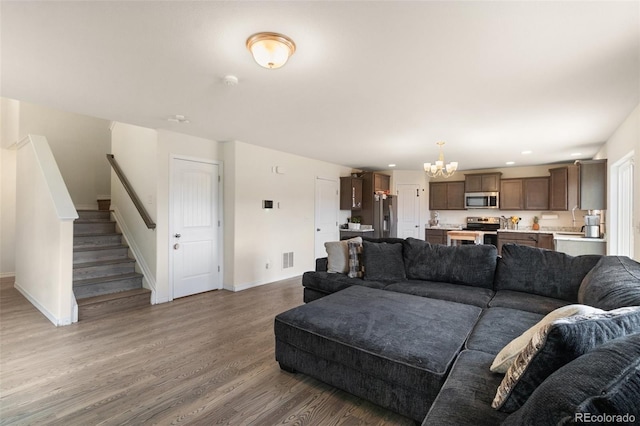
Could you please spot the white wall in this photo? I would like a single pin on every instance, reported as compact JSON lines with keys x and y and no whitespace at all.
{"x":44,"y":233}
{"x":625,"y":140}
{"x":258,"y":236}
{"x":79,"y":144}
{"x":136,"y":151}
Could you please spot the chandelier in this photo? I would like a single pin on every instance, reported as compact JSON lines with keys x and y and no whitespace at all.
{"x":439,"y":168}
{"x":271,"y":50}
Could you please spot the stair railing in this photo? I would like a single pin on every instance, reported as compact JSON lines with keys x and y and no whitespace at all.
{"x":134,"y":197}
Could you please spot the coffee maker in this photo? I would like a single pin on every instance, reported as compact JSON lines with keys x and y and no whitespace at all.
{"x":591,"y":226}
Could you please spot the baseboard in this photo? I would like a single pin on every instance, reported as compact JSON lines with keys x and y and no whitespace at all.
{"x":137,"y":254}
{"x":256,"y":284}
{"x":6,"y":275}
{"x":44,"y":311}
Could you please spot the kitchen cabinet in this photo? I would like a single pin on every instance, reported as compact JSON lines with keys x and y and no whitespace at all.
{"x":446,"y":195}
{"x":536,"y":193}
{"x":511,"y":194}
{"x":531,"y":239}
{"x":524,"y":194}
{"x":482,"y":182}
{"x":381,"y":182}
{"x":350,"y":193}
{"x":563,"y":187}
{"x":435,"y":236}
{"x":592,"y":178}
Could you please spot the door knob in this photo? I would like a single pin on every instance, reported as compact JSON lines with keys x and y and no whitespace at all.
{"x":178,"y":235}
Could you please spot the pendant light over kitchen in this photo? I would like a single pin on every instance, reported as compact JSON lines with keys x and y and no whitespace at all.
{"x":439,"y":169}
{"x":271,"y":50}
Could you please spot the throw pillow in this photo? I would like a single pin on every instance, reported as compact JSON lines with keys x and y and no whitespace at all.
{"x":508,"y":354}
{"x":613,"y":283}
{"x":355,"y":259}
{"x":605,"y":381}
{"x":383,"y":262}
{"x":557,"y":344}
{"x":338,"y":255}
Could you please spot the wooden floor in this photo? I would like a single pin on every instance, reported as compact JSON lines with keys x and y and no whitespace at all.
{"x":203,"y":360}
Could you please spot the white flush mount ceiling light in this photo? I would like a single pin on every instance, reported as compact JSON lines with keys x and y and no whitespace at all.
{"x":439,"y":168}
{"x":271,"y":50}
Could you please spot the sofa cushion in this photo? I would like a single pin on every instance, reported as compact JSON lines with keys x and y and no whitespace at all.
{"x":338,"y":255}
{"x":603,"y":381}
{"x":526,"y":302}
{"x":400,"y":339}
{"x":382,"y":262}
{"x":473,"y":265}
{"x":507,"y":355}
{"x":497,"y":327}
{"x":543,"y":272}
{"x":613,"y":283}
{"x":444,"y":291}
{"x":330,"y":283}
{"x":465,"y":398}
{"x":557,"y":344}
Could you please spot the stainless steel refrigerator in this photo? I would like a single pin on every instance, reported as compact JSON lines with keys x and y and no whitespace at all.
{"x":385,"y":216}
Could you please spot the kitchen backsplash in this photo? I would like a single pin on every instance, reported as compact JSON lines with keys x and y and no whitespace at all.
{"x":564,"y":222}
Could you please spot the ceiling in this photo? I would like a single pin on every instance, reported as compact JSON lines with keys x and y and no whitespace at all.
{"x":371,"y":83}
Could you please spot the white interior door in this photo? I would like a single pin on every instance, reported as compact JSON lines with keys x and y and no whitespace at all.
{"x":409,"y":211}
{"x":195,"y":227}
{"x":326,"y":218}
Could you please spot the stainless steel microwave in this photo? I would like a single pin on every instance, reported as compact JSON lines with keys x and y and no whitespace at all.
{"x":482,"y":200}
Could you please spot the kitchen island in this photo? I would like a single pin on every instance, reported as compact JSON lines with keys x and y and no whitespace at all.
{"x":572,"y":243}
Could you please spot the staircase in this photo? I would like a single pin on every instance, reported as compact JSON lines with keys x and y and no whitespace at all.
{"x":104,"y":277}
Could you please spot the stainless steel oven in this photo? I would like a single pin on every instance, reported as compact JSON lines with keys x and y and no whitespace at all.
{"x":488,"y":225}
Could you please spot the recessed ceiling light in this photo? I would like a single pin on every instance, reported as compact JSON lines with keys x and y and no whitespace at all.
{"x":576,"y":154}
{"x":510,"y":163}
{"x":178,"y":119}
{"x":392,"y":165}
{"x":527,"y":152}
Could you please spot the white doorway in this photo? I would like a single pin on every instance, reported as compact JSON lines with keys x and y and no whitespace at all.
{"x":326,"y":216}
{"x":622,"y":230}
{"x":195,"y":244}
{"x":409,"y":211}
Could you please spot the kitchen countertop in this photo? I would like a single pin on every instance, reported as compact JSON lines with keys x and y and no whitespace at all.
{"x":356,"y":230}
{"x":557,"y":235}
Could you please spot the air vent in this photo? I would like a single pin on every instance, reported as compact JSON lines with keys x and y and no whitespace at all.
{"x":287,"y":260}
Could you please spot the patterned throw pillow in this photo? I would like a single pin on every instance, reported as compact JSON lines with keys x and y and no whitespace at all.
{"x":356,"y":267}
{"x":555,"y":345}
{"x":508,"y":354}
{"x":338,"y":255}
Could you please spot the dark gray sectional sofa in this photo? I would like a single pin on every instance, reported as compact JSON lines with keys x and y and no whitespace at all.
{"x":418,"y":331}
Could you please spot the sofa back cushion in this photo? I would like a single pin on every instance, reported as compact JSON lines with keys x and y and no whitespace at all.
{"x":383,"y":262}
{"x":542,"y":272}
{"x":472,"y":265}
{"x":613,"y":283}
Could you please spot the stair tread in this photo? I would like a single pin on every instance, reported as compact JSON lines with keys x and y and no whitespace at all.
{"x":101,"y":234}
{"x":88,"y":281}
{"x":92,"y":211}
{"x":103,"y":262}
{"x":112,"y":296}
{"x":95,"y":220}
{"x":98,"y":248}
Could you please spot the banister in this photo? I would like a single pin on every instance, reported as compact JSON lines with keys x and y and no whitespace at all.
{"x":127,"y":186}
